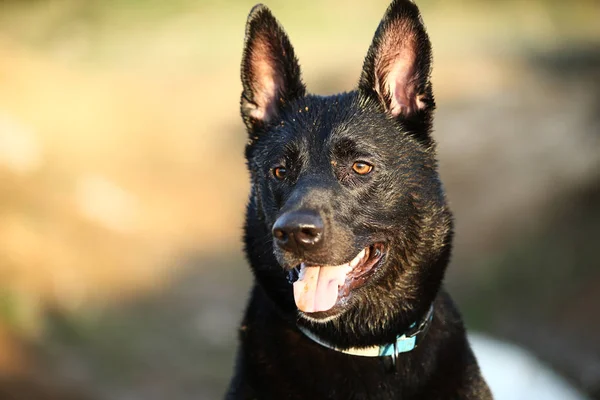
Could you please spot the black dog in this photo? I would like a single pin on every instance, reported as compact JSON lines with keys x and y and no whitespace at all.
{"x":348,"y":232}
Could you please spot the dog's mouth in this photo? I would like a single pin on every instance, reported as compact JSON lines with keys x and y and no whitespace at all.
{"x":319,"y":288}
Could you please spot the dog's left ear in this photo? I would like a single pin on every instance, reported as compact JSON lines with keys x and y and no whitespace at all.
{"x":270,"y":70}
{"x":397,"y":69}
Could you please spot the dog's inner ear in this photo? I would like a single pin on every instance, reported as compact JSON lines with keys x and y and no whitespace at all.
{"x":270,"y":71}
{"x":397,"y":67}
{"x":265,"y":83}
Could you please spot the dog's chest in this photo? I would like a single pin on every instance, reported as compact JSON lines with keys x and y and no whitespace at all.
{"x":290,"y":366}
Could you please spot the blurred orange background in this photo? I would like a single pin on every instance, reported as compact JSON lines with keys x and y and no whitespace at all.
{"x":123,"y":184}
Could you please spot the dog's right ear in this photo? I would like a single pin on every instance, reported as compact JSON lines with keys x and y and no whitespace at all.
{"x":270,"y":71}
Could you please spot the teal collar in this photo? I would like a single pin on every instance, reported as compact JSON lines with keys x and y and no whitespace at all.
{"x":404,"y":343}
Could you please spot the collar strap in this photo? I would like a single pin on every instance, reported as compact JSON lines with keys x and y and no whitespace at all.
{"x":404,"y":343}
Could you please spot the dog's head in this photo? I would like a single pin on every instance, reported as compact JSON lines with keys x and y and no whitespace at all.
{"x":345,"y":197}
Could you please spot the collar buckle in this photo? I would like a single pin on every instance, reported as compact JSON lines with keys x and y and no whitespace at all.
{"x":415,"y":331}
{"x":423,"y":326}
{"x":394,"y":355}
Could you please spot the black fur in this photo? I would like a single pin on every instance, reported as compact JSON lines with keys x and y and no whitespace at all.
{"x":386,"y":123}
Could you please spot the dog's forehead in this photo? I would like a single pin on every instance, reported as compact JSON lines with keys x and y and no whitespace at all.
{"x":322,"y":123}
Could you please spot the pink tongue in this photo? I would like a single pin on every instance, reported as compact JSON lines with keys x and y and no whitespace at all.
{"x":317,"y":287}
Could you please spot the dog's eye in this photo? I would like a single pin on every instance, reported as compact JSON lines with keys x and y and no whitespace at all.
{"x":279,"y":172}
{"x":362,"y":168}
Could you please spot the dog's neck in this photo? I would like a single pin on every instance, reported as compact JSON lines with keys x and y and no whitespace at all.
{"x":405,"y":342}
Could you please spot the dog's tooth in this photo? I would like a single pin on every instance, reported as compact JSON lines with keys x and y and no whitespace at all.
{"x":357,"y":259}
{"x":302,"y":271}
{"x":361,"y":255}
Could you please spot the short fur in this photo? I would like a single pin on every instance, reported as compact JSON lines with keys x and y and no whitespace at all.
{"x":386,"y":122}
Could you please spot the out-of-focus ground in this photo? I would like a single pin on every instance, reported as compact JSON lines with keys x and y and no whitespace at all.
{"x":122,"y":182}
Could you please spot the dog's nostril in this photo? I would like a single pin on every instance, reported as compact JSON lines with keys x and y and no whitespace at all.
{"x":309,"y":231}
{"x":279,"y":234}
{"x":309,"y":235}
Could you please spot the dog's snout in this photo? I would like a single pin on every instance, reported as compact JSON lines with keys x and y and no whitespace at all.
{"x":298,"y":230}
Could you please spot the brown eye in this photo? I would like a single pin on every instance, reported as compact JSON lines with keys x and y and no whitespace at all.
{"x":279,"y":172}
{"x":361,"y":168}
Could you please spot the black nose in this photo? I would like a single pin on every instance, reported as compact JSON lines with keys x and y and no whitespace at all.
{"x":298,"y":230}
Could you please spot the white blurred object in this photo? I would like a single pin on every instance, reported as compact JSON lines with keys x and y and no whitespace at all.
{"x":514,"y":374}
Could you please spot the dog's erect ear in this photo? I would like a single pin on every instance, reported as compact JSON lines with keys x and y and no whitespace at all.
{"x":270,"y":70}
{"x":397,"y":68}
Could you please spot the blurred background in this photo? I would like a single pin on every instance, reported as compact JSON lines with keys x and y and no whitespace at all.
{"x":123,"y":184}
